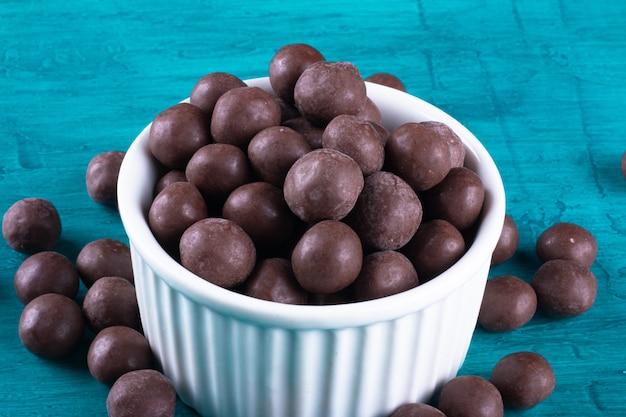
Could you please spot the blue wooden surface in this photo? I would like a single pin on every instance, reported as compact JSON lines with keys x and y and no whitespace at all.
{"x":541,"y":82}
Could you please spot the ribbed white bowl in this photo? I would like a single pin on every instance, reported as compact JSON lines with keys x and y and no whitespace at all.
{"x":230,"y":355}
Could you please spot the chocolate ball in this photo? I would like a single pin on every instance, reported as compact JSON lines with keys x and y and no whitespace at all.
{"x":168,"y":178}
{"x":219,"y":251}
{"x":417,"y":410}
{"x":177,"y":133}
{"x":101,"y":177}
{"x":507,"y":242}
{"x":211,"y":87}
{"x":273,"y":280}
{"x":386,"y":79}
{"x":564,"y":288}
{"x":311,"y":133}
{"x":104,"y":258}
{"x":287,"y":65}
{"x":274,"y":150}
{"x":455,"y":144}
{"x":419,"y":154}
{"x":31,"y":225}
{"x":115,"y":351}
{"x":241,"y":113}
{"x":324,"y":184}
{"x":327,"y":89}
{"x":435,"y":247}
{"x":470,"y":395}
{"x":384,"y":273}
{"x":524,"y":379}
{"x":567,"y":241}
{"x":327,"y":258}
{"x":370,"y":112}
{"x":51,"y":326}
{"x":358,"y":139}
{"x":508,"y":304}
{"x":43,"y":273}
{"x":111,"y":301}
{"x":387,"y":213}
{"x":142,"y":393}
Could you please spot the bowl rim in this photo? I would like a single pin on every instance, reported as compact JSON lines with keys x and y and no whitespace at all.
{"x":133,"y":197}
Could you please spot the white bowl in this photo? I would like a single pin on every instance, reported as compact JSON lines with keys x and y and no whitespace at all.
{"x":230,"y":355}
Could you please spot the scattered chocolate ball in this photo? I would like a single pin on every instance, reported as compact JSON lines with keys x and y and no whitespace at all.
{"x":386,"y":79}
{"x":104,"y":258}
{"x":327,"y":258}
{"x":508,"y":304}
{"x":168,"y":178}
{"x":51,"y":326}
{"x":31,"y":225}
{"x":142,"y":393}
{"x":470,"y":395}
{"x":417,"y":410}
{"x":211,"y":87}
{"x":564,"y":288}
{"x":273,"y":280}
{"x":507,"y":242}
{"x":384,"y":273}
{"x":111,"y":301}
{"x":101,"y":177}
{"x":219,"y":251}
{"x":46,"y":272}
{"x":524,"y":379}
{"x":115,"y":351}
{"x":567,"y":241}
{"x":286,"y":66}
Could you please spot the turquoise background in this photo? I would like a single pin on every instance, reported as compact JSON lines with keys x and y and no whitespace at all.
{"x":541,"y":82}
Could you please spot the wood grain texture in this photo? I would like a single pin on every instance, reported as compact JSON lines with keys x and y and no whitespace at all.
{"x":541,"y":83}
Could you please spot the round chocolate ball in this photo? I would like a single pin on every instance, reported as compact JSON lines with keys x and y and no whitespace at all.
{"x":31,"y":225}
{"x":51,"y":326}
{"x":567,"y":241}
{"x":327,"y":258}
{"x":507,"y":242}
{"x":386,"y":79}
{"x":211,"y":87}
{"x":327,"y":89}
{"x":168,"y":178}
{"x":287,"y":65}
{"x":387,"y":213}
{"x":111,"y":301}
{"x":508,"y":304}
{"x":142,"y":393}
{"x":219,"y":251}
{"x":370,"y":112}
{"x":324,"y":184}
{"x":417,"y":410}
{"x":273,"y":280}
{"x":177,"y":133}
{"x":45,"y":272}
{"x":101,"y":177}
{"x":564,"y":288}
{"x":115,"y":351}
{"x":384,"y":273}
{"x":311,"y":133}
{"x":104,"y":258}
{"x":470,"y":395}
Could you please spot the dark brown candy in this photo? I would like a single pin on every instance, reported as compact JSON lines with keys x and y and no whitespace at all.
{"x":327,"y":89}
{"x":387,"y":213}
{"x":115,"y":351}
{"x":564,"y":288}
{"x":311,"y":133}
{"x":470,"y":395}
{"x":101,"y":177}
{"x":419,"y":154}
{"x":104,"y":258}
{"x":457,"y":150}
{"x":142,"y":393}
{"x":508,"y":304}
{"x":219,"y":251}
{"x":111,"y":301}
{"x":31,"y":225}
{"x":217,"y":169}
{"x":567,"y":241}
{"x":51,"y":326}
{"x":324,"y":184}
{"x":211,"y":87}
{"x":45,"y":272}
{"x":260,"y":209}
{"x":417,"y":410}
{"x":358,"y":139}
{"x":173,"y":210}
{"x":370,"y":112}
{"x":273,"y":280}
{"x":177,"y":133}
{"x":524,"y":379}
{"x":384,"y":273}
{"x":507,"y":243}
{"x":274,"y":150}
{"x":344,"y":296}
{"x":386,"y":79}
{"x":241,"y":113}
{"x":287,"y":65}
{"x":327,"y":258}
{"x":168,"y":178}
{"x":458,"y":198}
